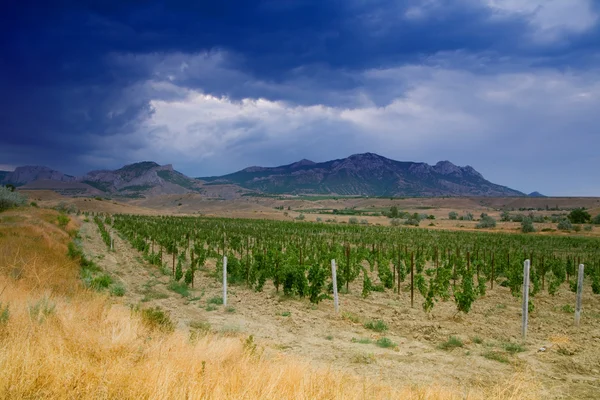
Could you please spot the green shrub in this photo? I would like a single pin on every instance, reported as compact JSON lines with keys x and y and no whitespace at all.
{"x":117,"y":290}
{"x":565,"y":225}
{"x":353,"y":220}
{"x":377,"y":325}
{"x":10,"y":199}
{"x":579,"y":216}
{"x":567,"y":308}
{"x":179,"y":287}
{"x":513,"y":348}
{"x":385,"y":343}
{"x":156,"y":318}
{"x":453,"y":215}
{"x":453,"y":342}
{"x":486,"y":222}
{"x":496,"y":356}
{"x":4,"y":314}
{"x":63,"y":220}
{"x":362,"y":340}
{"x":412,"y":221}
{"x":102,"y":281}
{"x":527,"y":225}
{"x":215,"y":300}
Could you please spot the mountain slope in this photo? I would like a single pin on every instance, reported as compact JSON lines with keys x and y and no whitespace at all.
{"x":145,"y":177}
{"x":26,"y":174}
{"x":135,"y":180}
{"x":367,"y":174}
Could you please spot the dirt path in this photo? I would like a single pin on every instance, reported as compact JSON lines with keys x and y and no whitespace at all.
{"x":568,"y":368}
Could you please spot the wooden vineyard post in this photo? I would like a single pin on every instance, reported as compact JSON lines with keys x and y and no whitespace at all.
{"x":224,"y":280}
{"x":579,"y":295}
{"x":412,"y":279}
{"x":525,"y":298}
{"x":112,"y":244}
{"x":336,"y":305}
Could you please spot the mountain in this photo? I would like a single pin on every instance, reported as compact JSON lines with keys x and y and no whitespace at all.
{"x":135,"y":180}
{"x":145,"y":177}
{"x":24,"y":175}
{"x":536,"y":194}
{"x":366,"y":174}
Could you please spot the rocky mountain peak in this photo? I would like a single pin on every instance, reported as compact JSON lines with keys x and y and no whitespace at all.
{"x":446,"y":168}
{"x":367,"y":174}
{"x":302,"y":163}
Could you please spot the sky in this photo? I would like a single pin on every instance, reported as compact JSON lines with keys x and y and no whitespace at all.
{"x":510,"y":87}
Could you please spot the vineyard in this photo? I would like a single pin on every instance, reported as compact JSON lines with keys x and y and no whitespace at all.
{"x":295,"y":256}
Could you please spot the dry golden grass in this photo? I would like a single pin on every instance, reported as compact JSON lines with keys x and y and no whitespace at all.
{"x":61,"y":341}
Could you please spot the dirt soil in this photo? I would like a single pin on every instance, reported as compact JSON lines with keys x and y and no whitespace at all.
{"x":291,"y":208}
{"x":564,"y":359}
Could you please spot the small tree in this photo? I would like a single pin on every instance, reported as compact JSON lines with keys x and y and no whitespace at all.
{"x":468,"y":217}
{"x":579,"y":216}
{"x":565,"y":225}
{"x":453,"y":215}
{"x":486,"y":222}
{"x":596,"y":220}
{"x":394,"y":212}
{"x":412,"y":221}
{"x":527,"y":225}
{"x":505,"y":216}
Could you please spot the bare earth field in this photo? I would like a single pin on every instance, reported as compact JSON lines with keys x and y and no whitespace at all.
{"x":265,"y":208}
{"x":558,"y":360}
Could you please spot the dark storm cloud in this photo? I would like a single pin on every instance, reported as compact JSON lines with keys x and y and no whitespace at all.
{"x":78,"y":78}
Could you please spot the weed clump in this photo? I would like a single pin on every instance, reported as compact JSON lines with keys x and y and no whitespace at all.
{"x":156,"y":319}
{"x":377,"y":325}
{"x":385,"y":343}
{"x":452,"y":343}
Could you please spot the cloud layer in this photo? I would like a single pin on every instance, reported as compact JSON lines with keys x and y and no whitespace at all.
{"x":509,"y":87}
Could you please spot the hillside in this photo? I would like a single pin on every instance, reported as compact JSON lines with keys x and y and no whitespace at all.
{"x":367,"y":175}
{"x":136,"y":180}
{"x":143,"y":178}
{"x":26,"y":174}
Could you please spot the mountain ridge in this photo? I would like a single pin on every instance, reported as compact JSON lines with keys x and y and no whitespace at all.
{"x":141,"y":179}
{"x":366,"y":174}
